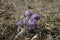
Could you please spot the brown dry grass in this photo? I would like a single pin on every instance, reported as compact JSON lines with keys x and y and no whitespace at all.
{"x":11,"y":10}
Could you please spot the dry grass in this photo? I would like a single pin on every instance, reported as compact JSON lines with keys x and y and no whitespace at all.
{"x":11,"y":10}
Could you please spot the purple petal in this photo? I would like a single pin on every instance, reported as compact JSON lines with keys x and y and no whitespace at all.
{"x":31,"y":22}
{"x":35,"y":16}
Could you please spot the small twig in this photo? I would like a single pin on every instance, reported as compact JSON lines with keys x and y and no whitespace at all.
{"x":34,"y":37}
{"x":57,"y":37}
{"x":27,"y":4}
{"x":22,"y":31}
{"x":4,"y":29}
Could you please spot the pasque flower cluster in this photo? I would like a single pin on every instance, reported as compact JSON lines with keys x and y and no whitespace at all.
{"x":30,"y":20}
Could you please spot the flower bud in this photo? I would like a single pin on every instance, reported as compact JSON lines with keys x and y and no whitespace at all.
{"x":28,"y":13}
{"x":19,"y":23}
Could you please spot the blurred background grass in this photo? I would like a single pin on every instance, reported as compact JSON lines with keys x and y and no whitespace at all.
{"x":11,"y":10}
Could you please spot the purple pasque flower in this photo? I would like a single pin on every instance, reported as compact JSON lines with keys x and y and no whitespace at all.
{"x":32,"y":24}
{"x":24,"y":22}
{"x":28,"y":13}
{"x":35,"y":17}
{"x":19,"y":23}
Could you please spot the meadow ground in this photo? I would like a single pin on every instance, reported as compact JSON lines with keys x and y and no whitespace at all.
{"x":11,"y":11}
